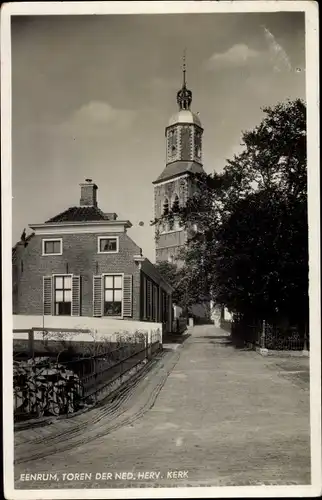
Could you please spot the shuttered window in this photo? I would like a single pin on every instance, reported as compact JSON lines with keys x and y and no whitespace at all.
{"x":155,"y":303}
{"x":113,"y":295}
{"x":97,"y":296}
{"x":76,"y":296}
{"x":127,"y":295}
{"x":47,"y":295}
{"x":150,"y":308}
{"x":61,"y":295}
{"x":150,"y":299}
{"x":143,"y":296}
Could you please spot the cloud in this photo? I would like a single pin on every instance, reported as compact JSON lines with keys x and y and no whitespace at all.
{"x":97,"y":116}
{"x":237,"y":55}
{"x":240,"y":55}
{"x":278,"y":55}
{"x":159,"y":84}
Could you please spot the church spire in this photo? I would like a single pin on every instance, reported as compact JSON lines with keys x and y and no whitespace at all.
{"x":184,"y":68}
{"x":184,"y":96}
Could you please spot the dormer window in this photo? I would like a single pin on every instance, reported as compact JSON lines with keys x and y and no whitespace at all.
{"x":108,"y":244}
{"x":52,"y":246}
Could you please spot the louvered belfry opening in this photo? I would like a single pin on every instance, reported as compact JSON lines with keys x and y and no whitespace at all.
{"x":88,"y":194}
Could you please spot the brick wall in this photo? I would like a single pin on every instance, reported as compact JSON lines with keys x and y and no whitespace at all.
{"x":79,"y":257}
{"x":168,"y":190}
{"x":186,"y":142}
{"x":169,"y":243}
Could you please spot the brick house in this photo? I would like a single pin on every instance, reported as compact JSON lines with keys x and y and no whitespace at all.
{"x":83,"y":263}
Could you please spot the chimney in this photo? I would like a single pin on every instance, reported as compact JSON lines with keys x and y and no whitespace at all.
{"x":110,"y":216}
{"x":88,"y":194}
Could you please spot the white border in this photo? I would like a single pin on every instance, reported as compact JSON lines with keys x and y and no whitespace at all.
{"x":99,"y":238}
{"x":45,"y":240}
{"x":312,"y":78}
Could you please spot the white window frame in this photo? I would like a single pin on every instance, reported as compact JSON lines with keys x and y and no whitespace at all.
{"x":58,"y":275}
{"x":46,"y":240}
{"x":103,"y":293}
{"x":99,"y":238}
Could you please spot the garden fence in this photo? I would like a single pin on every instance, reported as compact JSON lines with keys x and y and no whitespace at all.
{"x":269,"y":336}
{"x":48,"y":386}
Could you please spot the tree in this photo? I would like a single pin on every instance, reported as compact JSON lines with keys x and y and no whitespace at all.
{"x":250,"y":247}
{"x":176,"y":278}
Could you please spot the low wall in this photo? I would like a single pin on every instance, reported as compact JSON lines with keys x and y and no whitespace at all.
{"x":99,"y":327}
{"x":282,"y":354}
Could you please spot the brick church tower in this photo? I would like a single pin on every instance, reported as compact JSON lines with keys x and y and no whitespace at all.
{"x":174,"y":185}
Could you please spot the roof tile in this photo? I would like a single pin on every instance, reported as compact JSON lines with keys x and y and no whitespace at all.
{"x":178,"y":168}
{"x":79,"y":214}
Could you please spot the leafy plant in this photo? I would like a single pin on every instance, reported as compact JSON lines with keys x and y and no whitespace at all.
{"x":248,"y":233}
{"x":42,"y":387}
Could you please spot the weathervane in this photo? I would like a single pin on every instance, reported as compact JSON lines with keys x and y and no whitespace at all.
{"x":184,"y":96}
{"x":184,"y":67}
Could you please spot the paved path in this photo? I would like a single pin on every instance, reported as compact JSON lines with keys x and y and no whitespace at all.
{"x":214,"y":414}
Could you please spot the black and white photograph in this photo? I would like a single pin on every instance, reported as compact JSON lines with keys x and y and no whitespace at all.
{"x":160,"y":229}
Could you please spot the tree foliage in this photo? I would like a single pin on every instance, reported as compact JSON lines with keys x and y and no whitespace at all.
{"x":176,"y":277}
{"x":248,"y":233}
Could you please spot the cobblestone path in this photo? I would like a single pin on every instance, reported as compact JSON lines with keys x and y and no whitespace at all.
{"x":206,"y":414}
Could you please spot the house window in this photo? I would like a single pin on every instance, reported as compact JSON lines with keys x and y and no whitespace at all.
{"x":108,"y":245}
{"x":62,"y":295}
{"x":143,"y":299}
{"x":113,"y":294}
{"x":150,"y":300}
{"x":155,"y":303}
{"x":164,"y":307}
{"x":52,"y":247}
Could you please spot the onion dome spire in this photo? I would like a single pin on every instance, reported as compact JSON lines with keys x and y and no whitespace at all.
{"x":184,"y":96}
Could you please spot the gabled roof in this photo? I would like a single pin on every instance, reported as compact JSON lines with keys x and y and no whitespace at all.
{"x":81,"y":214}
{"x":178,"y":168}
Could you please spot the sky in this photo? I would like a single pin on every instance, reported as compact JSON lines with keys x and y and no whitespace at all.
{"x":92,"y":95}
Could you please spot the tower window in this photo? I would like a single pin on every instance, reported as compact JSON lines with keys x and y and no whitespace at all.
{"x":172,"y":142}
{"x":166,"y":207}
{"x":198,"y":145}
{"x":176,"y":204}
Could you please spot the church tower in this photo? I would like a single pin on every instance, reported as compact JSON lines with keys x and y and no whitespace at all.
{"x":174,"y":185}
